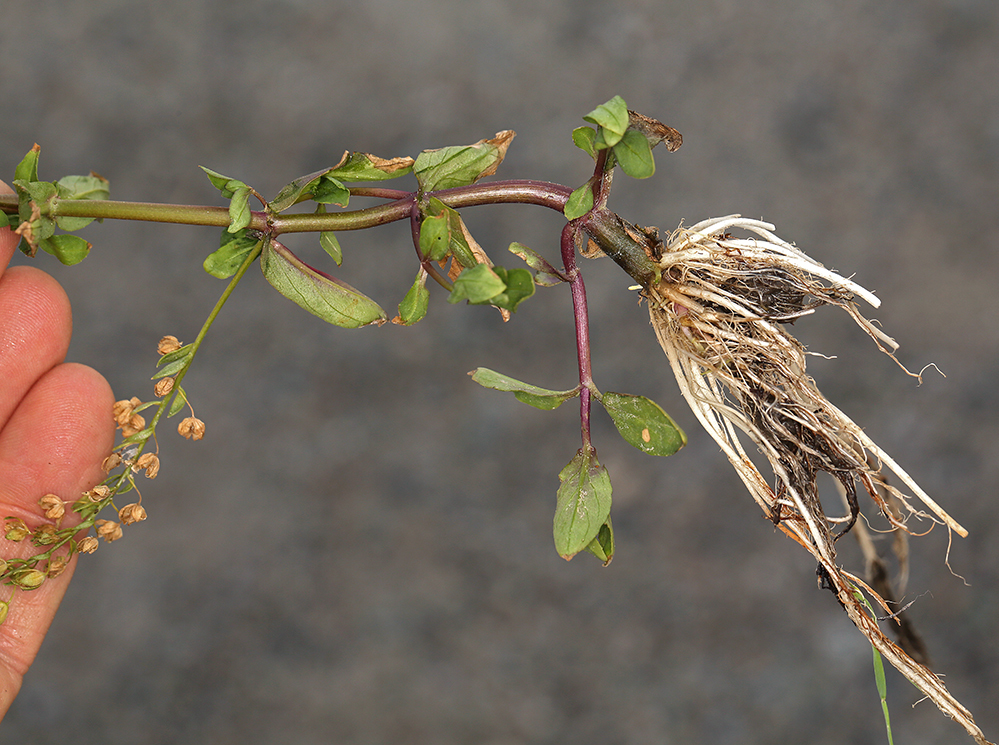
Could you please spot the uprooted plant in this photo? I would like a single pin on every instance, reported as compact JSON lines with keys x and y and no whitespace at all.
{"x":721,"y":295}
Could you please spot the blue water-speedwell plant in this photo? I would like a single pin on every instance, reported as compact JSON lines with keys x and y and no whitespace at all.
{"x":721,"y":295}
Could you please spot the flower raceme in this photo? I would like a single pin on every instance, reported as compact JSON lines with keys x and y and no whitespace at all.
{"x":720,"y":312}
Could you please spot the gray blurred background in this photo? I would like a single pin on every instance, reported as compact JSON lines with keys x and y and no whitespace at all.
{"x":360,"y":551}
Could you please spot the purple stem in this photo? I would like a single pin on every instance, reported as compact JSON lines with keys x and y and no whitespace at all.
{"x":570,"y":234}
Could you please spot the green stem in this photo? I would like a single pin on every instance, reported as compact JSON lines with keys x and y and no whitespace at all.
{"x":196,"y":344}
{"x":611,"y":233}
{"x":164,"y":405}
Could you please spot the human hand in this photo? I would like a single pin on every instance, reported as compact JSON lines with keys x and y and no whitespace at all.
{"x":55,"y":429}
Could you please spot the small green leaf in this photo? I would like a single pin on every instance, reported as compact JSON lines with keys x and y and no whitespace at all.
{"x":232,"y":251}
{"x":326,"y":297}
{"x":585,"y":139}
{"x":368,"y":167}
{"x":171,"y":368}
{"x":414,"y":305}
{"x":329,"y":241}
{"x":27,"y":169}
{"x":643,"y":424}
{"x":295,"y":192}
{"x":178,"y":403}
{"x":634,"y":154}
{"x":40,"y":192}
{"x":603,"y":545}
{"x":228,"y":186}
{"x":449,"y":167}
{"x":583,"y":506}
{"x":331,"y":246}
{"x":446,"y":236}
{"x":612,"y":118}
{"x":435,"y":237}
{"x":519,"y":286}
{"x":329,"y":190}
{"x":476,"y":284}
{"x":239,"y":209}
{"x":80,"y":187}
{"x":173,"y":356}
{"x":69,"y":249}
{"x":540,"y":398}
{"x":83,"y":187}
{"x":320,"y":187}
{"x":579,"y":203}
{"x":547,"y":275}
{"x":34,"y":205}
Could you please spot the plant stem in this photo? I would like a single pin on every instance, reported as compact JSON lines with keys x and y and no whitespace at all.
{"x":570,"y":234}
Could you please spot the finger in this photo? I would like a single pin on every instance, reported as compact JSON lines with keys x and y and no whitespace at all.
{"x":34,"y":334}
{"x":53,"y":443}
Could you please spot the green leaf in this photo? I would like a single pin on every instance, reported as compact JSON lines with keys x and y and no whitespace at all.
{"x":585,"y":139}
{"x":326,"y":297}
{"x":634,"y":154}
{"x":540,"y":398}
{"x":414,"y":305}
{"x":331,"y":246}
{"x":612,"y":118}
{"x":178,"y":403}
{"x":173,"y":356}
{"x":34,"y":205}
{"x":449,"y":167}
{"x":446,"y":236}
{"x":171,"y":368}
{"x":583,"y":505}
{"x":232,"y":251}
{"x":329,"y":190}
{"x":547,"y":275}
{"x":603,"y":545}
{"x":519,"y":286}
{"x":27,"y":169}
{"x":83,"y":187}
{"x":295,"y":192}
{"x":476,"y":284}
{"x":435,"y":237}
{"x":239,"y":210}
{"x":228,"y":186}
{"x":643,"y":424}
{"x":579,"y":203}
{"x":69,"y":249}
{"x":320,"y":187}
{"x":329,"y":241}
{"x":80,"y":187}
{"x":368,"y":167}
{"x":40,"y":192}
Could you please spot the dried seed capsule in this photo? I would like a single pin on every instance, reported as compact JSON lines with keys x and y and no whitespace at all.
{"x":52,"y":506}
{"x":108,"y":530}
{"x":88,"y":545}
{"x":136,"y":424}
{"x":99,"y":493}
{"x":163,"y":387}
{"x":56,"y":566}
{"x":192,"y":428}
{"x":168,"y":344}
{"x":111,"y":462}
{"x":131,"y":514}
